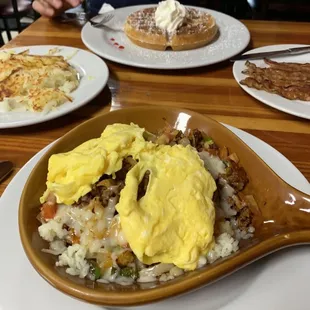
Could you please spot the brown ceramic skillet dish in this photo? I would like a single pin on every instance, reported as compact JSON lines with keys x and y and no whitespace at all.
{"x":282,"y":219}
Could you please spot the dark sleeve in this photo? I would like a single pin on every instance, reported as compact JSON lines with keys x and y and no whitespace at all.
{"x":95,"y":5}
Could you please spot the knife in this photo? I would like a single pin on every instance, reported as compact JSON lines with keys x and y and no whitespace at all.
{"x":286,"y":52}
{"x":5,"y":168}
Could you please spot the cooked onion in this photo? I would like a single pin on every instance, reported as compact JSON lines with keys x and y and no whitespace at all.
{"x":156,"y":270}
{"x":234,"y":157}
{"x":110,"y":209}
{"x":184,"y":142}
{"x":250,"y":200}
{"x":223,"y":152}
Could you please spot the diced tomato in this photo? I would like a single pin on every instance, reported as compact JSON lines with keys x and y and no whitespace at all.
{"x":48,"y":210}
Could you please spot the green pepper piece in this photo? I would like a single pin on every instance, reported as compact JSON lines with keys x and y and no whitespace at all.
{"x":113,"y":270}
{"x":148,"y":136}
{"x":208,"y":140}
{"x":95,"y":270}
{"x":227,"y":163}
{"x":129,"y":272}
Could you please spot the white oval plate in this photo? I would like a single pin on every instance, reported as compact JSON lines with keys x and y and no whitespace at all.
{"x":294,"y":107}
{"x":270,"y":283}
{"x":94,"y":76}
{"x":233,"y":38}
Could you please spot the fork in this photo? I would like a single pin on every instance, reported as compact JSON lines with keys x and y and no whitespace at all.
{"x":83,"y":17}
{"x":102,"y":24}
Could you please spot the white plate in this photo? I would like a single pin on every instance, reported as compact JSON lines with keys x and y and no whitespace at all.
{"x":233,"y":38}
{"x":271,"y":283}
{"x":94,"y":74}
{"x":294,"y":107}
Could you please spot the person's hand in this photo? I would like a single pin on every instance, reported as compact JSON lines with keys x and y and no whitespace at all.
{"x":50,"y":8}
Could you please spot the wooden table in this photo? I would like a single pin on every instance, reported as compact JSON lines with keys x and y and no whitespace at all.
{"x":209,"y":90}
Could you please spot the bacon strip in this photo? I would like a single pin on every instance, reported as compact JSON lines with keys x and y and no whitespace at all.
{"x":275,"y":80}
{"x":289,"y":80}
{"x":278,"y":73}
{"x":288,"y":66}
{"x":291,"y":92}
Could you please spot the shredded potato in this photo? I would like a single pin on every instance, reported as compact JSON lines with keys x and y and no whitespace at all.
{"x":35,"y":83}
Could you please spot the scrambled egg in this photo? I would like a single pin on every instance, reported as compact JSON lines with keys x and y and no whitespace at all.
{"x":35,"y":83}
{"x":71,"y":174}
{"x":174,"y":221}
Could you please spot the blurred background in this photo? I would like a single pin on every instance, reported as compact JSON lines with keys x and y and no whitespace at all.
{"x":16,"y":15}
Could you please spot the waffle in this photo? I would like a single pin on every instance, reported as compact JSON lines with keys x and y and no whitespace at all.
{"x":199,"y":29}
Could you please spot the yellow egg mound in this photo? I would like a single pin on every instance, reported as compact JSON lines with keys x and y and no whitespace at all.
{"x":71,"y":174}
{"x":173,"y":222}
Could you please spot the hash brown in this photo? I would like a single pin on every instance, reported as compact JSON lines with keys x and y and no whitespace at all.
{"x":35,"y":83}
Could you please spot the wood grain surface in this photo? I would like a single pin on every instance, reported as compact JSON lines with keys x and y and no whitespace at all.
{"x":209,"y":90}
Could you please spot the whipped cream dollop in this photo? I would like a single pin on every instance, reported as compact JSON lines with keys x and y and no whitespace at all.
{"x":170,"y":15}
